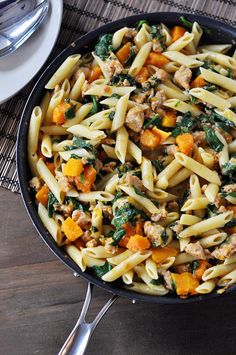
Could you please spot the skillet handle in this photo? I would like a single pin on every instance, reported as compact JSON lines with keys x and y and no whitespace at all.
{"x":78,"y":339}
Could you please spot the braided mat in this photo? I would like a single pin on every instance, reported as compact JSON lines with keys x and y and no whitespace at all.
{"x":79,"y":17}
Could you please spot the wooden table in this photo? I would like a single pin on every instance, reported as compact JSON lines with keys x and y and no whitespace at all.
{"x":40,"y":300}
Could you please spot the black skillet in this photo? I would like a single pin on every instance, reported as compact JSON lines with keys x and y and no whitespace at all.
{"x":77,"y":342}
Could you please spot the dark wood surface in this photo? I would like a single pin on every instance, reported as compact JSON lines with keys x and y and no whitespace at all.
{"x":40,"y":301}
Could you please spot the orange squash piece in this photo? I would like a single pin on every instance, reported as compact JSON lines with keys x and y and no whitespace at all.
{"x":169,"y":120}
{"x":161,"y":254}
{"x":185,"y":284}
{"x":94,"y":74}
{"x":86,"y":182}
{"x":73,"y":167}
{"x":149,"y":139}
{"x":157,"y":59}
{"x":142,"y":76}
{"x":177,"y":32}
{"x":161,"y":134}
{"x":58,"y":115}
{"x":71,"y":229}
{"x":138,"y":242}
{"x":185,"y":143}
{"x":42,"y":195}
{"x":203,"y":265}
{"x":123,"y":53}
{"x":198,"y":82}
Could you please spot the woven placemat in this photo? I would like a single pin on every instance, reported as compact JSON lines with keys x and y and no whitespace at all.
{"x":79,"y":17}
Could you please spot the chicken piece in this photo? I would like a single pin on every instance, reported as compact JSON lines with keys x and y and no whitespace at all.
{"x":107,"y":211}
{"x":109,"y":247}
{"x":168,"y":279}
{"x":153,"y":232}
{"x":134,"y":181}
{"x":143,"y":96}
{"x":113,"y":66}
{"x":177,"y":227}
{"x":173,"y":206}
{"x":182,"y":77}
{"x":196,"y":250}
{"x":158,"y":100}
{"x":80,"y":70}
{"x":91,"y":243}
{"x":199,"y":138}
{"x":225,"y":250}
{"x":65,"y":209}
{"x":65,"y":184}
{"x":109,"y":167}
{"x":86,"y":236}
{"x":182,"y":268}
{"x":108,"y":141}
{"x":98,"y":165}
{"x":171,"y":149}
{"x":161,"y":74}
{"x":131,"y":33}
{"x":134,"y":119}
{"x":229,"y":188}
{"x":83,"y":219}
{"x":157,"y":46}
{"x":35,"y":184}
{"x":159,"y":216}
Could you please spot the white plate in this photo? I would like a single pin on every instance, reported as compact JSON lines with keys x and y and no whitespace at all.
{"x":18,"y":68}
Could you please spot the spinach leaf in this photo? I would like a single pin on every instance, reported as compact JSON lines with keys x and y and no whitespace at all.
{"x":152,"y":121}
{"x":118,"y":195}
{"x":131,"y":56}
{"x":152,"y":82}
{"x":127,"y":213}
{"x":211,"y":210}
{"x":138,"y":191}
{"x":159,"y":281}
{"x":51,"y":200}
{"x":158,"y":165}
{"x":209,"y":87}
{"x":116,"y":96}
{"x":118,"y":80}
{"x":164,"y":236}
{"x":194,"y":265}
{"x":117,"y":236}
{"x":111,"y":115}
{"x":123,"y":169}
{"x":139,"y":24}
{"x":70,"y":113}
{"x":95,"y":108}
{"x":229,"y":169}
{"x":187,"y":24}
{"x":213,"y":140}
{"x":76,"y":204}
{"x":99,"y":271}
{"x":186,"y":124}
{"x":104,"y":46}
{"x":81,"y":143}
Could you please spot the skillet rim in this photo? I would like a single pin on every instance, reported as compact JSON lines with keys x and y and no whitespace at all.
{"x":222,"y":29}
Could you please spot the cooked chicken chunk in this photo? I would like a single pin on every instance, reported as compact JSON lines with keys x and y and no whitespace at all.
{"x":226,"y":250}
{"x":195,"y":249}
{"x":182,"y":77}
{"x":229,"y":188}
{"x":112,"y":66}
{"x":81,"y":218}
{"x":158,"y":100}
{"x":134,"y":181}
{"x":134,"y":119}
{"x":153,"y":231}
{"x":35,"y":184}
{"x":65,"y":183}
{"x":168,"y":279}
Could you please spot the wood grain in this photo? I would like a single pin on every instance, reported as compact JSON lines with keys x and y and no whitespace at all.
{"x":40,"y":301}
